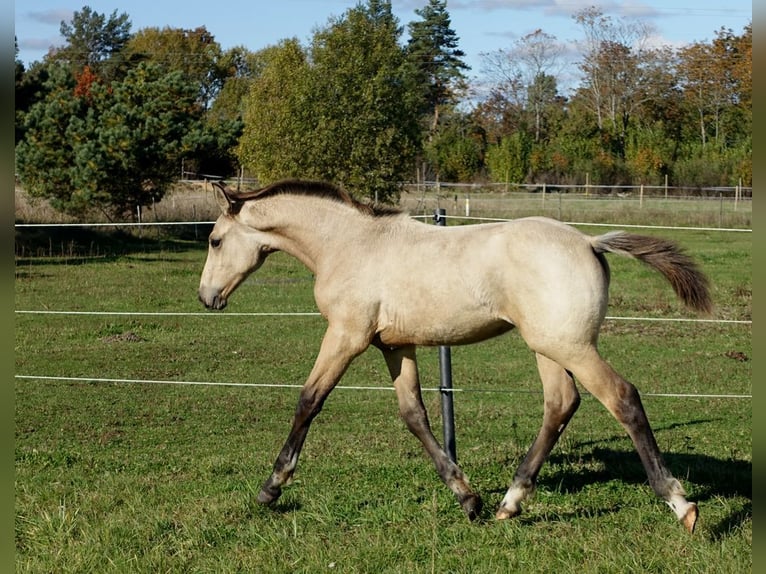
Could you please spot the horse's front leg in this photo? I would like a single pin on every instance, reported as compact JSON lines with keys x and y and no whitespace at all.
{"x":404,"y":371}
{"x":338,"y":349}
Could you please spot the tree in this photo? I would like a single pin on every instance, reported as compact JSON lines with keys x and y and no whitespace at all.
{"x":508,"y":161}
{"x":240,"y":67}
{"x":613,"y":67}
{"x":716,"y":79}
{"x":113,"y":146}
{"x":716,"y":82}
{"x":526,"y":75}
{"x":523,"y":106}
{"x":43,"y":156}
{"x":343,"y":110}
{"x":29,"y":88}
{"x":742,"y":69}
{"x":197,"y":56}
{"x":699,"y":86}
{"x":456,"y":151}
{"x":368,"y":104}
{"x":277,"y":117}
{"x":656,"y":126}
{"x":195,"y":53}
{"x":94,"y":40}
{"x":433,"y":51}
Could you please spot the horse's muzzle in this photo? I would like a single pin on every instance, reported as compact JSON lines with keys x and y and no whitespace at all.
{"x":216,"y":302}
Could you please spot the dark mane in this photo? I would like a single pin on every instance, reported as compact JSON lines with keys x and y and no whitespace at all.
{"x":315,"y":189}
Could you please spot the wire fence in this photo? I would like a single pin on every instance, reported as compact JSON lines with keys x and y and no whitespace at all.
{"x":316,"y":314}
{"x":346,"y":387}
{"x":191,"y":202}
{"x":454,"y":217}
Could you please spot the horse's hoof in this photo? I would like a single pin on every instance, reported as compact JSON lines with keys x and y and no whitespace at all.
{"x":264,"y":498}
{"x":690,"y":518}
{"x":472,"y":506}
{"x":267,"y":495}
{"x":504,"y":513}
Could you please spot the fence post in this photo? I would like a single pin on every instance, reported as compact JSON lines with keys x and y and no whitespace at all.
{"x":445,"y":379}
{"x":720,"y":209}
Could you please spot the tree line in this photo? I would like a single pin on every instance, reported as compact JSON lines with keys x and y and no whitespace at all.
{"x":110,"y":119}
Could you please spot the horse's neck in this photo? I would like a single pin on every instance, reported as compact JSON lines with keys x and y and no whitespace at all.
{"x":308,"y":228}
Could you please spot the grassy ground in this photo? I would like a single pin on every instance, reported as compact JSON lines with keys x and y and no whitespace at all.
{"x":142,"y":477}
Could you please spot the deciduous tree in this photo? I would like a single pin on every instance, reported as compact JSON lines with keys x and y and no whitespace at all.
{"x":343,"y":109}
{"x":526,"y":75}
{"x":194,"y":52}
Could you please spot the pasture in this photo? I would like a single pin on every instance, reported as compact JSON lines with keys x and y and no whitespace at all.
{"x":119,"y":470}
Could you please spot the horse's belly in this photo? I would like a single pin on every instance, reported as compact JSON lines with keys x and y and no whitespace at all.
{"x":441,"y":330}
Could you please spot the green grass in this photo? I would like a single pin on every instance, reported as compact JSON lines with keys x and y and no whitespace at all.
{"x":127,"y":477}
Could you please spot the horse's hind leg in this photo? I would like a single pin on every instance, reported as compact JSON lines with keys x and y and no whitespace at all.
{"x":623,"y":401}
{"x":404,"y":371}
{"x":561,"y":402}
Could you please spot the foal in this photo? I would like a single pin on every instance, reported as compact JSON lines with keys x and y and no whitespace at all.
{"x":379,"y":276}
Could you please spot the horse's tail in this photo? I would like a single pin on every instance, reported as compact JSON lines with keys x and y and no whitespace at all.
{"x":689,"y":283}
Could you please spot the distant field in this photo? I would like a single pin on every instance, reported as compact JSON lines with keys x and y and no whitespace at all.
{"x":627,"y":208}
{"x":150,"y":477}
{"x":193,"y":201}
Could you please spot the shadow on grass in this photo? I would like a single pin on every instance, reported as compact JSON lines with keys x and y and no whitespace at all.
{"x":76,"y":245}
{"x":706,"y":478}
{"x":287,"y":503}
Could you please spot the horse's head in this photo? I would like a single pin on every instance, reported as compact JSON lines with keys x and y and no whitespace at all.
{"x":234,"y":251}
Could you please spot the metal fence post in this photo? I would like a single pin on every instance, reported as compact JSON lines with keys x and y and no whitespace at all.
{"x":445,"y":379}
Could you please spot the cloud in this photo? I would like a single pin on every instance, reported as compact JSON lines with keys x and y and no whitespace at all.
{"x":657,"y":41}
{"x":54,"y":16}
{"x":490,"y":5}
{"x":631,"y":8}
{"x":638,"y":10}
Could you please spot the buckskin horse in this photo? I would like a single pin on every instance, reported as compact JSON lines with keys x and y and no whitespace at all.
{"x":379,"y":276}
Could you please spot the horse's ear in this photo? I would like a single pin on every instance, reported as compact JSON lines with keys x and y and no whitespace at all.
{"x":225,"y":201}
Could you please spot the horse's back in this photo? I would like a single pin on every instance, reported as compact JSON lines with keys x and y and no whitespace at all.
{"x":458,"y":285}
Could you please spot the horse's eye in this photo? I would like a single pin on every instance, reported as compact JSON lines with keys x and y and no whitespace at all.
{"x":215,"y":242}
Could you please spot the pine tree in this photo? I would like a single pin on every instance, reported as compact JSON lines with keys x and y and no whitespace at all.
{"x":92,"y":144}
{"x":433,"y":51}
{"x":94,"y":40}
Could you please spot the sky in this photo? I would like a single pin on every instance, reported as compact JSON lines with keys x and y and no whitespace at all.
{"x":482,"y":26}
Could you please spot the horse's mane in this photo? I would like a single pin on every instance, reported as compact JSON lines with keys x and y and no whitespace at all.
{"x":315,"y":189}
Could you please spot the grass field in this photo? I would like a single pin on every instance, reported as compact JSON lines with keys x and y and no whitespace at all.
{"x":628,"y":208}
{"x":149,"y":477}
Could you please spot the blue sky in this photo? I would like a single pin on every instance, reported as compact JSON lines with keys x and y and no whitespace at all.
{"x":481,"y":25}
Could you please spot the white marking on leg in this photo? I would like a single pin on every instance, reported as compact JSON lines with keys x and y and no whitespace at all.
{"x":511,"y":504}
{"x":679,"y":505}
